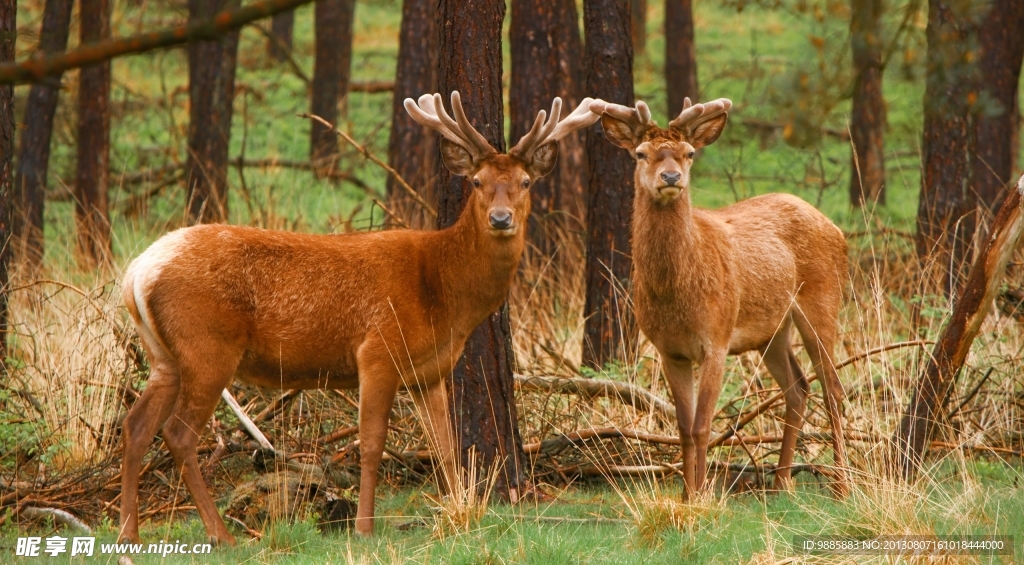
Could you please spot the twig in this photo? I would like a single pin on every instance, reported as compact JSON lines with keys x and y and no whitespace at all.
{"x":337,"y":435}
{"x":366,"y":152}
{"x":277,"y":405}
{"x":37,"y":68}
{"x":970,"y":395}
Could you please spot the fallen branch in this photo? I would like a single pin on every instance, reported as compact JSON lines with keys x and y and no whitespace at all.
{"x":38,"y":68}
{"x":555,"y":445}
{"x":931,"y":394}
{"x":674,"y":468}
{"x":247,"y":423}
{"x":590,"y":388}
{"x":777,"y":397}
{"x":58,"y":517}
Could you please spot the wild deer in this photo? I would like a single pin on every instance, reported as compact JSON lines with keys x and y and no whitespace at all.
{"x":377,"y":311}
{"x":712,"y":283}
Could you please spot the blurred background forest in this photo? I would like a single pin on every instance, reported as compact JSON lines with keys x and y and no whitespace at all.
{"x":899,"y":119}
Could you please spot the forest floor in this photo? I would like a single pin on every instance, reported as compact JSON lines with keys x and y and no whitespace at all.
{"x":787,"y":71}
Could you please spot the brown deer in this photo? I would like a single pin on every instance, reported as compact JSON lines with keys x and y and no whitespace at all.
{"x":377,"y":311}
{"x":712,"y":283}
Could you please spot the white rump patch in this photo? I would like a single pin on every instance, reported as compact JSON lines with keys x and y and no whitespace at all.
{"x":145,"y":270}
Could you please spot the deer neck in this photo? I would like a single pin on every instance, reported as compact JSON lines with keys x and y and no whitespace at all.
{"x":476,"y":268}
{"x":666,"y":245}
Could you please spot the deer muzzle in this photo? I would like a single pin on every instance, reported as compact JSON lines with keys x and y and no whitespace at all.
{"x":501,"y":219}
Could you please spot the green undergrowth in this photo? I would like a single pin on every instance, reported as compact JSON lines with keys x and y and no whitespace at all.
{"x":591,"y":524}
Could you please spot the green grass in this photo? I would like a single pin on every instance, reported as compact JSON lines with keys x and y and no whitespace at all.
{"x":590,"y":524}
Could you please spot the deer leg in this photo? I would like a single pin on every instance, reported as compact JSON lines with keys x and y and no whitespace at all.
{"x":378,"y":385}
{"x":432,"y":404}
{"x":817,"y":327}
{"x":679,"y":374}
{"x":712,"y":370}
{"x":778,"y":357}
{"x":199,"y":396}
{"x":144,"y":419}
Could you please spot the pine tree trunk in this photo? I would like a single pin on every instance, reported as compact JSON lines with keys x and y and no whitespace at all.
{"x":999,"y":62}
{"x":91,"y":206}
{"x":412,"y":148}
{"x":211,"y":70}
{"x":546,"y":62}
{"x":638,"y":25}
{"x":282,"y":27}
{"x":8,"y":30}
{"x":34,"y":155}
{"x":945,"y":214}
{"x":482,"y":400}
{"x":609,"y":331}
{"x":680,"y":55}
{"x":333,"y":29}
{"x":867,"y":124}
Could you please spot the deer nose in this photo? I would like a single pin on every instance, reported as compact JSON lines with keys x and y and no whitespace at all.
{"x":501,"y":219}
{"x":671,"y":177}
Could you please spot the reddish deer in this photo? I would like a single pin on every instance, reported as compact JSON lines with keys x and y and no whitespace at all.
{"x":377,"y":311}
{"x":712,"y":283}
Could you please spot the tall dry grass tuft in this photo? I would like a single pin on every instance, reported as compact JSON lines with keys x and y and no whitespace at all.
{"x":656,"y":509}
{"x":73,"y":357}
{"x":461,"y":509}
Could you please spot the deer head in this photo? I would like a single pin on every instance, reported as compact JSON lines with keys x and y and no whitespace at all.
{"x":663,"y":156}
{"x":501,"y":182}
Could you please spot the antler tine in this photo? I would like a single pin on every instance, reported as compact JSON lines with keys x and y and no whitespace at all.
{"x":690,"y":118}
{"x":478,"y":142}
{"x":425,"y":113}
{"x":555,"y":129}
{"x":524,"y":148}
{"x":638,"y":118}
{"x":579,"y":118}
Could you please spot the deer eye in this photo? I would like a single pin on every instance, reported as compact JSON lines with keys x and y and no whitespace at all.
{"x":691,"y":154}
{"x":641,"y":155}
{"x":476,"y":183}
{"x":526,"y":183}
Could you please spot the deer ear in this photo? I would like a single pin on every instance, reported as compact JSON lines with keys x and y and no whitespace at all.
{"x":456,"y":158}
{"x":619,"y":132}
{"x":707,"y":133}
{"x":544,"y":158}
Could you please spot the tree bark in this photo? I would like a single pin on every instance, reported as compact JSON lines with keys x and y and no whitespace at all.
{"x":412,"y":147}
{"x":867,"y":124}
{"x":211,"y":70}
{"x":546,"y":62}
{"x":609,"y":331}
{"x":34,"y":156}
{"x":8,"y":32}
{"x":482,"y":400}
{"x":928,"y":404}
{"x":1000,"y":55}
{"x":680,"y":55}
{"x":91,"y":205}
{"x":638,"y":25}
{"x":945,"y":219}
{"x":282,"y":28}
{"x":333,"y":30}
